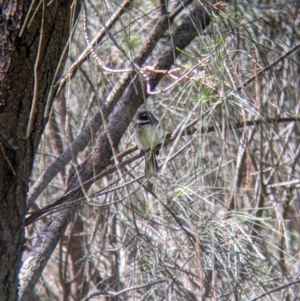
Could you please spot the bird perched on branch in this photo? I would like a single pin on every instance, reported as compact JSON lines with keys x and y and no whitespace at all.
{"x":149,"y":138}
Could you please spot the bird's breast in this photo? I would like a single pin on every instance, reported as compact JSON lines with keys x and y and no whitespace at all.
{"x":148,"y":137}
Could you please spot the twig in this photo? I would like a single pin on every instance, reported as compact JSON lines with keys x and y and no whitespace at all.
{"x":97,"y":58}
{"x":249,"y":80}
{"x":2,"y":148}
{"x":72,"y":70}
{"x":36,"y":76}
{"x":116,"y":294}
{"x":275,"y":289}
{"x":203,"y":62}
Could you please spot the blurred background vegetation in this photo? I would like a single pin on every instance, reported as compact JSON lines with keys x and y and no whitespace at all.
{"x":221,"y":220}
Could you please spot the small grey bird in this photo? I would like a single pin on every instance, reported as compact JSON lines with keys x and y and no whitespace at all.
{"x":149,"y":137}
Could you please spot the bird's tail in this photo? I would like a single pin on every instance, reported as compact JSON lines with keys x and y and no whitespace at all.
{"x":151,"y":166}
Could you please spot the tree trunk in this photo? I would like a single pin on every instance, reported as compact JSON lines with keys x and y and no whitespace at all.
{"x":29,"y":60}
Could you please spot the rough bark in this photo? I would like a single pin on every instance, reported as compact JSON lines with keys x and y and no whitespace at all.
{"x":38,"y":48}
